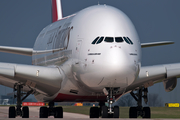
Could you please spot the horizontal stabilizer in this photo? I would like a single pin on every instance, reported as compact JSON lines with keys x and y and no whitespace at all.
{"x":17,"y":50}
{"x":152,"y":44}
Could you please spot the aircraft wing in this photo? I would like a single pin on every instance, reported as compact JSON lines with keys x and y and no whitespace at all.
{"x":17,"y":50}
{"x":150,"y":75}
{"x":143,"y":45}
{"x":46,"y":80}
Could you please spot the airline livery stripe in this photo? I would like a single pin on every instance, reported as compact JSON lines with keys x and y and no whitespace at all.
{"x":59,"y":9}
{"x":54,"y":11}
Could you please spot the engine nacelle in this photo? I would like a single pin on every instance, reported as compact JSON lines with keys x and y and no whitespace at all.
{"x":170,"y":84}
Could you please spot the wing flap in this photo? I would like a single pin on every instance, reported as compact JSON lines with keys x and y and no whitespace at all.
{"x":152,"y":44}
{"x":17,"y":50}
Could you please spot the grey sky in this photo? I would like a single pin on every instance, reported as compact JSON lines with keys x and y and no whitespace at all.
{"x":22,"y":20}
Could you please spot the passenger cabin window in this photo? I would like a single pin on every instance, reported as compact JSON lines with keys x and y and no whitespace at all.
{"x":130,"y":40}
{"x":100,"y":40}
{"x":109,"y":39}
{"x":127,"y":41}
{"x":119,"y":39}
{"x":95,"y":40}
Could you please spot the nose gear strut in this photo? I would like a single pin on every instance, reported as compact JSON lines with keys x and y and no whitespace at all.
{"x":106,"y":111}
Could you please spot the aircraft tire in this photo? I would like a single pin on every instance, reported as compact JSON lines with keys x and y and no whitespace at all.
{"x":116,"y":112}
{"x":12,"y":112}
{"x":25,"y":112}
{"x":43,"y":112}
{"x":133,"y":112}
{"x":147,"y":112}
{"x":58,"y":112}
{"x":104,"y":112}
{"x":94,"y":112}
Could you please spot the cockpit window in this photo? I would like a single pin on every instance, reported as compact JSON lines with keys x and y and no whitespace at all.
{"x":95,"y":40}
{"x":100,"y":40}
{"x":130,"y":40}
{"x":126,"y":40}
{"x":119,"y":39}
{"x":109,"y":39}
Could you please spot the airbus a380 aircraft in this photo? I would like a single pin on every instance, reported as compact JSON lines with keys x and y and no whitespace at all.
{"x":91,"y":56}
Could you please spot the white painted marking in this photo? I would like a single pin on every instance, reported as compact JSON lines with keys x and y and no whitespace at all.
{"x":59,"y":9}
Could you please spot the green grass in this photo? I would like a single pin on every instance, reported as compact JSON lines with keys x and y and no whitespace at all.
{"x":156,"y":112}
{"x":165,"y":112}
{"x":77,"y":109}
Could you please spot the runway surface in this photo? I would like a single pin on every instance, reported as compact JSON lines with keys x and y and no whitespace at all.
{"x":34,"y":113}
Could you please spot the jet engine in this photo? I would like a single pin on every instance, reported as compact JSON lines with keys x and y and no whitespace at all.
{"x":170,"y":84}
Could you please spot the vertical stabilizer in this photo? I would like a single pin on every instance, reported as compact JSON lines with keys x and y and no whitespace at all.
{"x":56,"y":10}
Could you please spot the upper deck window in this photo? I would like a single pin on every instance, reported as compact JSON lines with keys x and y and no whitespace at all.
{"x":109,"y":39}
{"x":95,"y":40}
{"x":100,"y":40}
{"x":119,"y":39}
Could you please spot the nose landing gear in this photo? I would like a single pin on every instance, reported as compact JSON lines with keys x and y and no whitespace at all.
{"x":144,"y":112}
{"x":57,"y":112}
{"x":106,"y":111}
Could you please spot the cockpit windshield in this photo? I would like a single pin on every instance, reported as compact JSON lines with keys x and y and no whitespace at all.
{"x":94,"y":42}
{"x":109,"y":39}
{"x":119,"y":39}
{"x":126,"y":40}
{"x":99,"y":40}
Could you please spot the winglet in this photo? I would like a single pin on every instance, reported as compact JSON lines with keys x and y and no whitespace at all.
{"x":143,"y":45}
{"x":56,"y":10}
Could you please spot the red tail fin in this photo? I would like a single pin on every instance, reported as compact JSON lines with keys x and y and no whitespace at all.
{"x":56,"y":10}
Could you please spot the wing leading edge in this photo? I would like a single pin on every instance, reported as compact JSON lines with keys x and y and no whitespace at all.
{"x":37,"y":77}
{"x":150,"y":75}
{"x":17,"y":50}
{"x":152,"y":44}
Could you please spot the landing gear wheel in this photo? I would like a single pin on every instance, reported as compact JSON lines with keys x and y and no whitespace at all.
{"x":25,"y":112}
{"x":104,"y":112}
{"x":43,"y":112}
{"x":58,"y":112}
{"x":133,"y":112}
{"x":12,"y":112}
{"x":94,"y":112}
{"x":147,"y":112}
{"x":116,"y":112}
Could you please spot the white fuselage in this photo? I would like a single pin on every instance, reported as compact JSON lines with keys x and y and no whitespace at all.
{"x":89,"y":68}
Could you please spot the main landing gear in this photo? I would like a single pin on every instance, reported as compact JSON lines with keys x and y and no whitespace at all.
{"x":144,"y":112}
{"x":104,"y":111}
{"x":17,"y":111}
{"x":57,"y":112}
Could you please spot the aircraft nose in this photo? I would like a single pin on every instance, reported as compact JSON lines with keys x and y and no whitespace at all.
{"x":116,"y":68}
{"x":115,"y":58}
